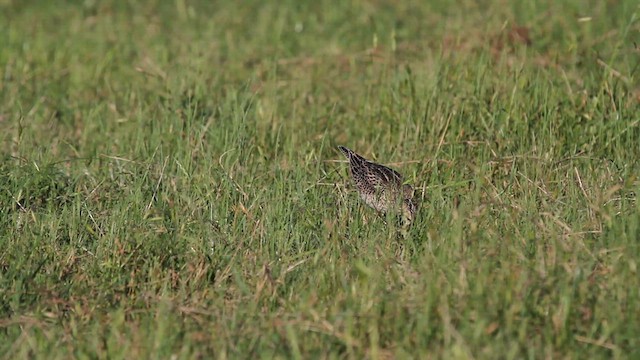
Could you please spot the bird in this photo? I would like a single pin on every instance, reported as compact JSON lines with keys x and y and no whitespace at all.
{"x":380,"y":187}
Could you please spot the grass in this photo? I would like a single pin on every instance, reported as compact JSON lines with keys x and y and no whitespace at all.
{"x":170,"y":185}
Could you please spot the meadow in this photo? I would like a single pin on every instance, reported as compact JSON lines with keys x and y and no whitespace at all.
{"x":171,"y":188}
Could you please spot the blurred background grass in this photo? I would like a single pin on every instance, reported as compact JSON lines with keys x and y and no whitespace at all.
{"x":169,"y":183}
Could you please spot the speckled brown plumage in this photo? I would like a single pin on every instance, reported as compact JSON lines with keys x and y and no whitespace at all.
{"x":380,"y":187}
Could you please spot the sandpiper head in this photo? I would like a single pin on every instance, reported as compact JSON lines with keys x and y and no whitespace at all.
{"x":409,"y":210}
{"x":407,"y":191}
{"x":408,"y":204}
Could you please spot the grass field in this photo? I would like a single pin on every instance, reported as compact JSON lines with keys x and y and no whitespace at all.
{"x":170,"y":185}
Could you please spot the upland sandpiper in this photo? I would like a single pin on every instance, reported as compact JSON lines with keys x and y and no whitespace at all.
{"x":380,"y":187}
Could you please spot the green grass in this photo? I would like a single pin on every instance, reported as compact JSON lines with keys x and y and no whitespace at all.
{"x":170,"y":185}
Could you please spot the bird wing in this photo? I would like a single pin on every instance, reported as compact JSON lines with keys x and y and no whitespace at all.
{"x":374,"y":175}
{"x":384,"y":174}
